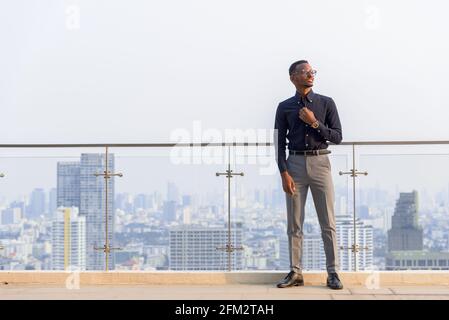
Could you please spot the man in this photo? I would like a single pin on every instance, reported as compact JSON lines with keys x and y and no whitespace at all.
{"x":308,"y":120}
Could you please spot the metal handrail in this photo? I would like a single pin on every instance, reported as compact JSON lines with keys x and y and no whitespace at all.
{"x":207,"y":144}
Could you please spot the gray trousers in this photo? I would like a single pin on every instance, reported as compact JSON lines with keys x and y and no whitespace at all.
{"x":313,"y":172}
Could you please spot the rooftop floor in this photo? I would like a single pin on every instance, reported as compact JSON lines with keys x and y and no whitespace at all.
{"x":236,"y":285}
{"x":219,"y":292}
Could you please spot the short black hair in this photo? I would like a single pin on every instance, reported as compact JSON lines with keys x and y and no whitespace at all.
{"x":292,"y":68}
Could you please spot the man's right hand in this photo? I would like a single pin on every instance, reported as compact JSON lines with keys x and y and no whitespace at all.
{"x":287,"y":183}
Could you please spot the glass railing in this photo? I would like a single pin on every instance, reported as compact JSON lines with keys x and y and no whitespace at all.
{"x":405,"y":198}
{"x":216,"y":206}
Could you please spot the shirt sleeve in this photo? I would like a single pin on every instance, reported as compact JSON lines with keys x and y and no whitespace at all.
{"x":280,"y":137}
{"x":331,"y":129}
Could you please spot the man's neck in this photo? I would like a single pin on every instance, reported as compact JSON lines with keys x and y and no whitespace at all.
{"x":304,"y":91}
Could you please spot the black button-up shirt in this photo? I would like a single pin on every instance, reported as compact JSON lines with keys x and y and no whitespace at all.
{"x":300,"y":135}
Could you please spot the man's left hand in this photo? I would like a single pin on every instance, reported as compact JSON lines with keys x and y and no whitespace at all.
{"x":307,"y":115}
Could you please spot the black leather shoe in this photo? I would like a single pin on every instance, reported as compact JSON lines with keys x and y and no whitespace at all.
{"x":333,"y":281}
{"x":292,"y":279}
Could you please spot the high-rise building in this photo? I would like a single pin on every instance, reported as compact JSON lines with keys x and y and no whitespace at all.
{"x":79,"y":187}
{"x":186,"y":200}
{"x":405,"y":240}
{"x":68,"y":240}
{"x":143,"y":201}
{"x":198,"y":248}
{"x":123,"y":202}
{"x":68,"y":185}
{"x":11,"y":216}
{"x":93,"y":206}
{"x":140,"y":201}
{"x":169,"y":211}
{"x":19,"y":204}
{"x":405,"y":232}
{"x":363,"y":212}
{"x":313,"y":253}
{"x":52,"y":202}
{"x":284,"y":257}
{"x":36,"y":206}
{"x":345,"y":239}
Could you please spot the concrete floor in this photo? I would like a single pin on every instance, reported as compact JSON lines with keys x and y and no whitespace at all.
{"x":218,"y":292}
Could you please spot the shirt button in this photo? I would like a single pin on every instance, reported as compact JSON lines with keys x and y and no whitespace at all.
{"x":318,"y":130}
{"x":307,"y":135}
{"x":307,"y":145}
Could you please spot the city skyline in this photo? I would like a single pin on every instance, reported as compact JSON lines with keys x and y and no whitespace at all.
{"x":149,"y":168}
{"x":260,"y":211}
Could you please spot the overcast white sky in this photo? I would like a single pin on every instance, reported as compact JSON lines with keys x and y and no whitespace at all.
{"x":92,"y":71}
{"x":135,"y":70}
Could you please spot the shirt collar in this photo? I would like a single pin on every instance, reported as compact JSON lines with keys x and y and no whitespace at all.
{"x":309,"y":96}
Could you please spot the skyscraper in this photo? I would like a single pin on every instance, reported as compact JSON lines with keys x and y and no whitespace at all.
{"x":93,"y":206}
{"x":36,"y":206}
{"x":69,"y":240}
{"x":68,"y":185}
{"x":19,"y":204}
{"x":345,"y":237}
{"x":405,"y":240}
{"x":405,"y":232}
{"x":186,"y":200}
{"x":79,"y":187}
{"x":169,"y":211}
{"x":123,"y":202}
{"x":143,"y":201}
{"x":195,"y":248}
{"x":10,"y":216}
{"x":52,"y":202}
